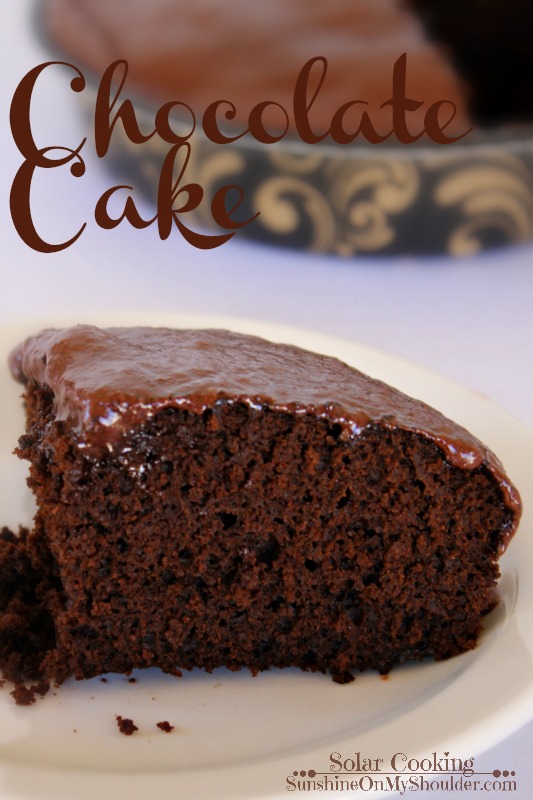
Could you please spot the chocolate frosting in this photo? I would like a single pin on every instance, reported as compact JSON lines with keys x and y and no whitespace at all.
{"x":105,"y":381}
{"x":249,"y":52}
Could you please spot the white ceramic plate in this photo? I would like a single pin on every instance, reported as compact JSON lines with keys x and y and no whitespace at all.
{"x":241,"y":737}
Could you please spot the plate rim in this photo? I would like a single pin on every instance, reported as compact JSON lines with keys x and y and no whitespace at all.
{"x":505,"y":721}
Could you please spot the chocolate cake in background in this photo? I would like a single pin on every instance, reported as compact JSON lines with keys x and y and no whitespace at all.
{"x":211,"y":499}
{"x":475,"y":53}
{"x":248,"y":53}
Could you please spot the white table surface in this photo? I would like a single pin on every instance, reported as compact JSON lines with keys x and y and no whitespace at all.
{"x":469,"y":319}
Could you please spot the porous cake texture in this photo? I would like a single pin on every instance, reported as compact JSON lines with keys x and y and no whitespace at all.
{"x":211,"y":499}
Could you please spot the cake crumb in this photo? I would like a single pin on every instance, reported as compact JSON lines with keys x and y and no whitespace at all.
{"x":126,"y":726}
{"x":342,"y":677}
{"x":41,"y":688}
{"x":103,"y":680}
{"x":165,"y":726}
{"x":26,"y":695}
{"x":132,"y":680}
{"x":23,"y":695}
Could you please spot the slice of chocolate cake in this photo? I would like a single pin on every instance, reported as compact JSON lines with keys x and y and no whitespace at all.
{"x":211,"y":499}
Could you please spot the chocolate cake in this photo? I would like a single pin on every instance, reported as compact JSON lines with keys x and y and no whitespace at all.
{"x":211,"y":499}
{"x":474,"y":53}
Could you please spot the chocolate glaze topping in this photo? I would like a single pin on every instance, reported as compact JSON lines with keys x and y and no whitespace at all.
{"x":105,"y":381}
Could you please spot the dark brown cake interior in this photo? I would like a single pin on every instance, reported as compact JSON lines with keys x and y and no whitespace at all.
{"x":251,"y":538}
{"x":28,"y":587}
{"x":240,"y":533}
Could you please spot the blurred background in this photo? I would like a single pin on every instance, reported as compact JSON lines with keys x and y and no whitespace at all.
{"x":458,"y":304}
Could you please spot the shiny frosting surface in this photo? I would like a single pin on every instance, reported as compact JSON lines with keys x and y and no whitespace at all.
{"x":105,"y":381}
{"x":252,"y":52}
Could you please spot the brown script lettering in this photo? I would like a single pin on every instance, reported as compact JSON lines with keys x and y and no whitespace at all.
{"x":177,"y":197}
{"x":107,"y":114}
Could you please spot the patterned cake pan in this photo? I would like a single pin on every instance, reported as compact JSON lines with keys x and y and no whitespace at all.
{"x":358,"y":199}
